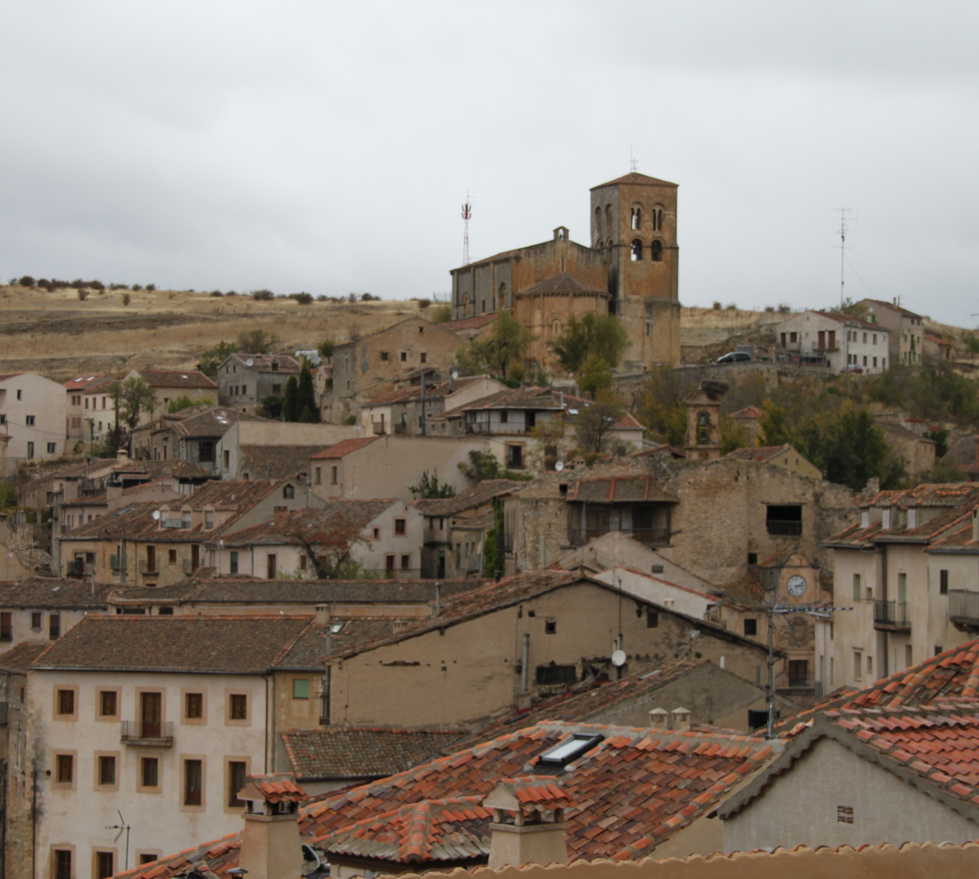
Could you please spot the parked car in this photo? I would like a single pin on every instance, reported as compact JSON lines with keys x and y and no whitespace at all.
{"x":735,"y":357}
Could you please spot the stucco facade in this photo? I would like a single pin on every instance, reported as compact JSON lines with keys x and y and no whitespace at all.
{"x":32,"y":419}
{"x":840,"y":341}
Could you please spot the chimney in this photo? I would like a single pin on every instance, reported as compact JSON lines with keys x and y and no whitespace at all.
{"x":270,"y":843}
{"x":323,"y":614}
{"x":659,"y":719}
{"x":975,"y":523}
{"x":528,"y":822}
{"x":681,"y":719}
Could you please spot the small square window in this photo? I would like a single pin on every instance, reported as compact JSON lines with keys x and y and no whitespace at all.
{"x":844,"y":814}
{"x":108,"y":703}
{"x":399,"y":527}
{"x":107,"y":770}
{"x":193,"y":706}
{"x":300,"y":688}
{"x":64,"y":768}
{"x":404,"y":356}
{"x":149,"y":772}
{"x":61,"y":866}
{"x":751,"y":626}
{"x":104,"y":864}
{"x":550,"y":626}
{"x":237,"y":772}
{"x":238,"y":706}
{"x":65,"y":703}
{"x":405,"y":562}
{"x":29,"y":420}
{"x":36,"y":621}
{"x":52,"y":448}
{"x":652,"y":617}
{"x":943,"y":582}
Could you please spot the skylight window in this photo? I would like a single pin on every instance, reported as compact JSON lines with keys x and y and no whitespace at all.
{"x":566,"y":752}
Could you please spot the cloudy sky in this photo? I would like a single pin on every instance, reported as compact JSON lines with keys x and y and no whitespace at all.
{"x":326,"y":146}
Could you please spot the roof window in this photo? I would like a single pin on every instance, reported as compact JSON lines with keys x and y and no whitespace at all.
{"x":563,"y":754}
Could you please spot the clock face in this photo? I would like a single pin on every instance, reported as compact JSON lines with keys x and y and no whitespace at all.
{"x":796,"y":585}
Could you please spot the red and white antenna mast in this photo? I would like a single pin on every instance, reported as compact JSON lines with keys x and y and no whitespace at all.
{"x":467,"y":212}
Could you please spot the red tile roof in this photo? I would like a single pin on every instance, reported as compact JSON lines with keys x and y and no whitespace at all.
{"x":273,"y":788}
{"x":175,"y":378}
{"x":469,"y":323}
{"x":635,"y":178}
{"x":748,"y":412}
{"x":344,"y":448}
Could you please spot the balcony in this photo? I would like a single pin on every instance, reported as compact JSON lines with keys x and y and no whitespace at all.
{"x":891,"y":616}
{"x":963,"y":608}
{"x":143,"y":734}
{"x":648,"y":536}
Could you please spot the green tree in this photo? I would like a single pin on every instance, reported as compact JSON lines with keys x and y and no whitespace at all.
{"x":326,"y":349}
{"x":309,"y":412}
{"x":494,"y":557}
{"x":662,"y":406}
{"x":257,"y":341}
{"x":290,"y":408}
{"x":212,"y":358}
{"x":850,"y":449}
{"x":429,"y":486}
{"x":594,"y":376}
{"x":733,"y":435}
{"x":502,"y":354}
{"x":180,"y":403}
{"x":132,"y":398}
{"x":600,"y":335}
{"x":593,"y":425}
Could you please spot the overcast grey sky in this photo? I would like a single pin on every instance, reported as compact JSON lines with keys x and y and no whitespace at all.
{"x":327,"y":146}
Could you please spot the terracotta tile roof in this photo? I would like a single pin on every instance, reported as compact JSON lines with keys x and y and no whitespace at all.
{"x":284,"y":363}
{"x":273,"y":789}
{"x":635,"y":178}
{"x":339,"y":521}
{"x":175,"y":378}
{"x":53,"y":592}
{"x":20,"y":658}
{"x":852,"y":321}
{"x":431,"y":831}
{"x":275,"y":462}
{"x":76,"y":384}
{"x":346,"y":635}
{"x":933,"y":747}
{"x":212,"y":421}
{"x":344,"y":448}
{"x":204,"y":645}
{"x":481,"y":493}
{"x":516,"y":398}
{"x":748,"y":412}
{"x":619,"y":489}
{"x":953,"y":674}
{"x":469,"y":323}
{"x":342,"y":752}
{"x":101,"y":385}
{"x":893,"y":306}
{"x":561,"y":284}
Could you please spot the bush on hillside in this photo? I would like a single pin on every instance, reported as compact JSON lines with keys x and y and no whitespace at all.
{"x":262,"y":295}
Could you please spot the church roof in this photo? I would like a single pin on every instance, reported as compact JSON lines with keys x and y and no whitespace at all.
{"x":636,"y":179}
{"x":561,"y":284}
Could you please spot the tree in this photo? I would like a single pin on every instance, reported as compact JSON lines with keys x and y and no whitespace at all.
{"x":180,"y":403}
{"x":309,"y":412}
{"x":601,"y":335}
{"x":662,"y":405}
{"x":329,"y":549}
{"x":131,"y":399}
{"x":429,"y":486}
{"x":272,"y":407}
{"x":593,"y":425}
{"x":290,"y":408}
{"x":502,"y":354}
{"x":326,"y":349}
{"x":212,"y":358}
{"x":494,"y":557}
{"x":594,"y":376}
{"x":257,"y":341}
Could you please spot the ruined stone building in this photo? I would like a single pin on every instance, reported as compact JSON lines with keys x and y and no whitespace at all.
{"x":629,"y":270}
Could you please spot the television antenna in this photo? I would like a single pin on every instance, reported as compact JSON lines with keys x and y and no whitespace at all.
{"x":843,"y":230}
{"x":467,"y":212}
{"x":120,"y":828}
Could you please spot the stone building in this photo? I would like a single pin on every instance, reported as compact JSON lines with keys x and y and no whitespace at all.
{"x":840,"y":342}
{"x":245,"y":381}
{"x":629,"y":270}
{"x":905,"y":330}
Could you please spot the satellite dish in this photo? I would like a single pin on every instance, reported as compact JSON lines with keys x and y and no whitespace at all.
{"x":249,"y":362}
{"x":156,"y":515}
{"x":559,"y":466}
{"x":618,"y":658}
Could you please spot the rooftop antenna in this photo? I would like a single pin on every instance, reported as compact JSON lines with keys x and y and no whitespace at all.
{"x":121,"y":828}
{"x":467,"y":212}
{"x":633,"y":161}
{"x":843,"y":231}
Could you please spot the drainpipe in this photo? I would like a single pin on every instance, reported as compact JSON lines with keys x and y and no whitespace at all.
{"x":525,"y":664}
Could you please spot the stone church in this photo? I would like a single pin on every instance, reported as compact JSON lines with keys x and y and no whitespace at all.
{"x":630,"y":270}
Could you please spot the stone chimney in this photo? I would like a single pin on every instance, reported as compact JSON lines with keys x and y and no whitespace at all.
{"x":270,"y":843}
{"x":528,"y":824}
{"x":659,"y":719}
{"x":681,"y":719}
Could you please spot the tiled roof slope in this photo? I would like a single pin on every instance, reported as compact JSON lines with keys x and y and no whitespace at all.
{"x":337,"y":520}
{"x":213,"y":421}
{"x":22,"y":657}
{"x":561,"y":284}
{"x":479,"y":494}
{"x":173,"y":378}
{"x":935,"y":748}
{"x":312,"y":647}
{"x":953,"y":674}
{"x":60,"y":592}
{"x":362,"y":752}
{"x":212,"y":644}
{"x":454,"y":829}
{"x":624,"y":487}
{"x":275,"y":462}
{"x":344,"y":448}
{"x":645,"y":785}
{"x":760,"y":454}
{"x":469,"y":323}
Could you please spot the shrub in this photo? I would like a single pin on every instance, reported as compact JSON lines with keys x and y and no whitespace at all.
{"x":137,"y":287}
{"x":216,"y":293}
{"x":26,"y":281}
{"x":440,"y":314}
{"x":82,"y":294}
{"x":262,"y":295}
{"x":150,"y":287}
{"x":322,"y":298}
{"x":424,"y":303}
{"x":769,"y":308}
{"x":350,"y":419}
{"x":231,"y":293}
{"x":731,"y":306}
{"x":96,"y":285}
{"x":784,"y":308}
{"x":126,"y":299}
{"x":716,"y":306}
{"x":303,"y":298}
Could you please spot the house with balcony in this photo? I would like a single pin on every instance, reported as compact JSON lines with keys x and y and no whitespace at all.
{"x":159,"y":719}
{"x":834,"y":340}
{"x":905,"y":328}
{"x":906,"y":577}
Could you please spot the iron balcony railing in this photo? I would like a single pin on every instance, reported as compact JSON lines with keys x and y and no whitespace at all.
{"x":891,"y":613}
{"x":963,"y":605}
{"x":148,"y":734}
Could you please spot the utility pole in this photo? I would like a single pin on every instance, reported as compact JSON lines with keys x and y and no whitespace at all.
{"x":467,"y":212}
{"x":843,"y":231}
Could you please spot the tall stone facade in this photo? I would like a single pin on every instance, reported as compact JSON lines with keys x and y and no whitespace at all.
{"x":629,"y":270}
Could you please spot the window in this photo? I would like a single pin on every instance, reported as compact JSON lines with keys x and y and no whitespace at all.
{"x":939,"y":649}
{"x":104,"y":864}
{"x":399,"y":526}
{"x":550,"y":626}
{"x":856,"y":587}
{"x":857,"y":664}
{"x":52,"y":448}
{"x":385,"y":356}
{"x":377,"y":533}
{"x":556,"y":674}
{"x":238,"y":706}
{"x":943,"y":582}
{"x":193,"y":782}
{"x":237,"y":771}
{"x":423,"y":357}
{"x":108,"y":701}
{"x":751,"y":626}
{"x":635,"y":252}
{"x":30,"y":448}
{"x":172,"y":556}
{"x":193,"y":706}
{"x":288,"y":491}
{"x":54,"y":626}
{"x":165,"y":611}
{"x":300,"y":688}
{"x":844,"y":814}
{"x":149,"y":772}
{"x":233,"y":561}
{"x":146,"y":857}
{"x":405,"y":562}
{"x":652,"y":618}
{"x":334,"y":472}
{"x":29,"y":420}
{"x":784,"y":520}
{"x":404,"y":354}
{"x":389,"y":564}
{"x":303,"y":561}
{"x":870,"y":667}
{"x":635,"y":219}
{"x":6,"y":626}
{"x":504,"y":417}
{"x":106,"y":771}
{"x":36,"y":621}
{"x":65,"y":703}
{"x":64,"y":768}
{"x":205,"y":450}
{"x":318,"y":476}
{"x":61,"y":864}
{"x":657,"y":249}
{"x":514,"y":457}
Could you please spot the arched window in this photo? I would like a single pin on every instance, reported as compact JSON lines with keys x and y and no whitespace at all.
{"x":703,"y":428}
{"x":610,"y":244}
{"x":635,"y":219}
{"x":636,"y":253}
{"x":656,"y":218}
{"x":609,"y":228}
{"x":657,"y":251}
{"x":556,"y":328}
{"x":288,"y":491}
